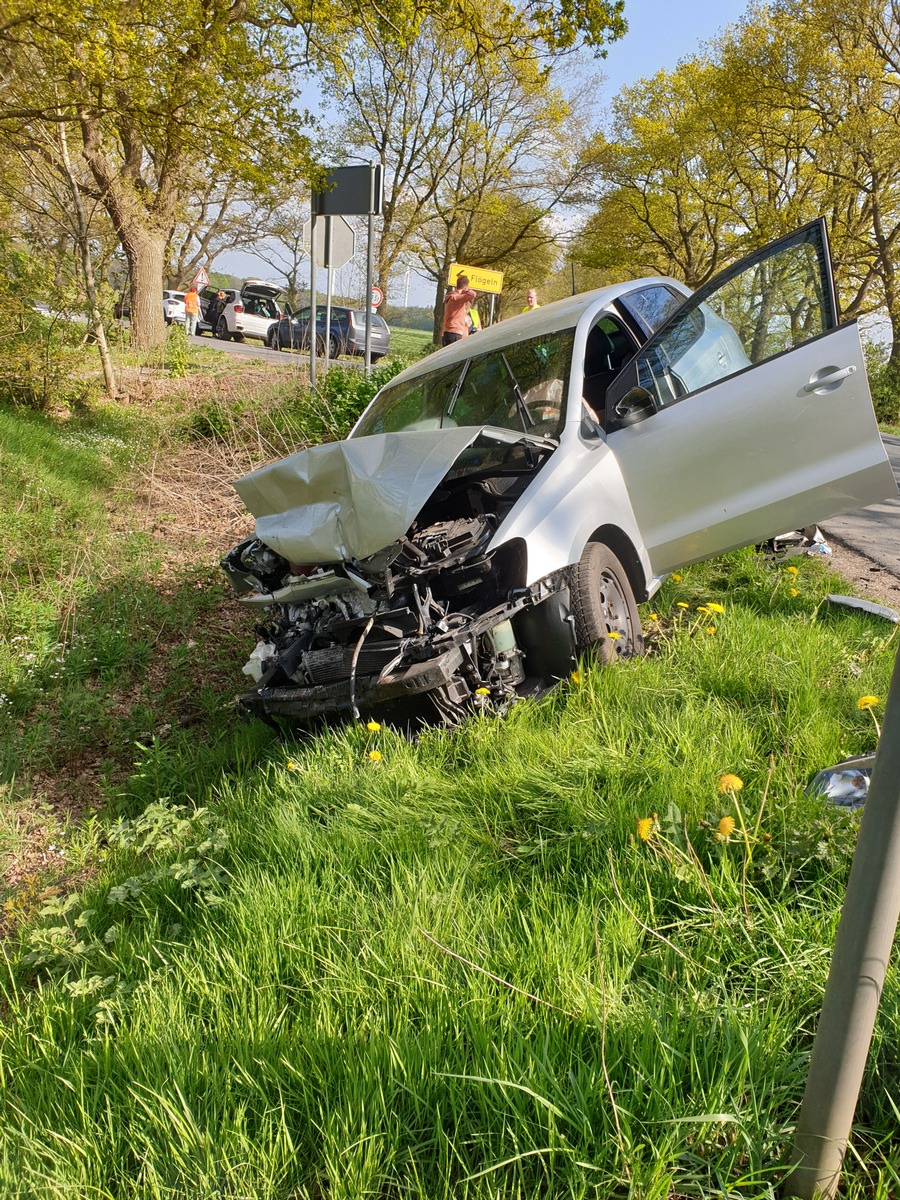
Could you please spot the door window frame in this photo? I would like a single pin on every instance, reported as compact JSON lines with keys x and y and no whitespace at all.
{"x":814,"y":233}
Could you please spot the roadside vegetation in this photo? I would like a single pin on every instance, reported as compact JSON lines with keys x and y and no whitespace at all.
{"x":575,"y":951}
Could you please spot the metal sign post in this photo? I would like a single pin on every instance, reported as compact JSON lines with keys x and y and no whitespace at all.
{"x":856,"y":977}
{"x":329,"y":284}
{"x":350,"y":191}
{"x":312,"y":305}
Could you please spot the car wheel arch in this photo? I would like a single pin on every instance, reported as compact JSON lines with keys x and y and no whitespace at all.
{"x":624,"y":549}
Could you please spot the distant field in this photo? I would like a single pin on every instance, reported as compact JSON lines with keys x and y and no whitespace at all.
{"x":410,"y":343}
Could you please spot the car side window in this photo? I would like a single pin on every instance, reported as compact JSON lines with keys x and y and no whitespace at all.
{"x":651,"y":306}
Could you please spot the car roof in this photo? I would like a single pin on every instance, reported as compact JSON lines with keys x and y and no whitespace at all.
{"x":561,"y":314}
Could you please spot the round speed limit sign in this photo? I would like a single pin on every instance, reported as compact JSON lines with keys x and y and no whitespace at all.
{"x":377,"y":296}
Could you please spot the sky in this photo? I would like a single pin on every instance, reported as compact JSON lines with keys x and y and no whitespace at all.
{"x":660,"y":32}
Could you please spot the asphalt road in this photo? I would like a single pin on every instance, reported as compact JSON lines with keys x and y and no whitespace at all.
{"x":250,"y":349}
{"x":873,"y":531}
{"x":292,"y":359}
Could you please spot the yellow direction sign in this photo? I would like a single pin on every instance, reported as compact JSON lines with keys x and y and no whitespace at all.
{"x":479,"y":279}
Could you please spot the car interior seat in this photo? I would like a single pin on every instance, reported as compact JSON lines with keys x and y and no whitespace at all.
{"x":607,"y":350}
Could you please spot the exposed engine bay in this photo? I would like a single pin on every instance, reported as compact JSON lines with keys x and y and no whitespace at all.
{"x":423,"y":630}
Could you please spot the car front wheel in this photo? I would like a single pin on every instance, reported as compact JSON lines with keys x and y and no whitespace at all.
{"x":607,"y":624}
{"x":222,"y":330}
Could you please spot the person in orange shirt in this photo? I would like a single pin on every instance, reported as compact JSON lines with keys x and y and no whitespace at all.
{"x":191,"y":309}
{"x":456,"y":310}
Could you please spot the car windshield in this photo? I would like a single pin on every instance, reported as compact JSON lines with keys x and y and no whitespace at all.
{"x":520,"y":387}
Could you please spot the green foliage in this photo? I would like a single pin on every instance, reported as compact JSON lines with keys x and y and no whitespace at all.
{"x":884,"y":384}
{"x":42,"y":356}
{"x":177,"y":351}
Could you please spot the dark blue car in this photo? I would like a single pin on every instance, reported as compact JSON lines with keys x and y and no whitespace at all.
{"x":347,"y":332}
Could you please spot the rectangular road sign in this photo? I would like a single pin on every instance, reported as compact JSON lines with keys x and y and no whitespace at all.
{"x":479,"y":278}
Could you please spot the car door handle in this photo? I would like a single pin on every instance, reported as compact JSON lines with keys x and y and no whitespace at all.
{"x":828,"y":376}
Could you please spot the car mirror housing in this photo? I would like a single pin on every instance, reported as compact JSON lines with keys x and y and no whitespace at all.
{"x":635,"y":405}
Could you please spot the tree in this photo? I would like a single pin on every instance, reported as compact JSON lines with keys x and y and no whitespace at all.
{"x":469,"y":137}
{"x":154,"y":94}
{"x":158,"y":92}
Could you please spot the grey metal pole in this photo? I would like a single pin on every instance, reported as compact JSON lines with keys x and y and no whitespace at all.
{"x":312,"y":296}
{"x":855,"y":980}
{"x":491,"y":319}
{"x":370,"y":255}
{"x":329,"y":285}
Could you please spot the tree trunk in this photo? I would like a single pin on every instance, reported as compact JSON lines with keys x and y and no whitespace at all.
{"x":438,"y":313}
{"x":146,"y":254}
{"x":87,"y":265}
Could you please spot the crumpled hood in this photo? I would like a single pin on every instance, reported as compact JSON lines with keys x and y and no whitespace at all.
{"x":348,"y":500}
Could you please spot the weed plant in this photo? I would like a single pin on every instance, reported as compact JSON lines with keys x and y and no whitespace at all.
{"x":578,"y":951}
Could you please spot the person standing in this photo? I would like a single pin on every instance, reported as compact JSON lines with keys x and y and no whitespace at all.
{"x":532,"y":301}
{"x":474,"y":319}
{"x":191,"y":310}
{"x":456,"y":311}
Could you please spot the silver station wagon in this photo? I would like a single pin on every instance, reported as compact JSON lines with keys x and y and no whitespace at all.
{"x":501,"y":506}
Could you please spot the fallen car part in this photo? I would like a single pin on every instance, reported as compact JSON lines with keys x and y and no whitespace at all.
{"x":846,"y":784}
{"x":868,"y":606}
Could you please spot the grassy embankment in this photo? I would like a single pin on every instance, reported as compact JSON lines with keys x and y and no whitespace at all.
{"x":353,"y":966}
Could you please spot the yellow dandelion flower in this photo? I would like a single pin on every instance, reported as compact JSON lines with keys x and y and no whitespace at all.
{"x":654,"y":616}
{"x":715,"y":608}
{"x":375,"y":755}
{"x":792,"y":570}
{"x":702,"y":608}
{"x":794,"y":591}
{"x":482,"y":691}
{"x":575,"y":677}
{"x":681,"y":604}
{"x":373,"y":726}
{"x":726,"y":827}
{"x":710,"y":629}
{"x":676,"y":577}
{"x":646,"y":827}
{"x":613,"y":634}
{"x":730,"y":783}
{"x":291,"y":765}
{"x":867,"y":702}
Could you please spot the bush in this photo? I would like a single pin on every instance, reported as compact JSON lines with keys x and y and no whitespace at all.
{"x":884,"y":383}
{"x":344,"y":393}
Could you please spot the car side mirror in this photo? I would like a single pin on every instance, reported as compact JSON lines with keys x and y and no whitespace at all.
{"x":635,"y":405}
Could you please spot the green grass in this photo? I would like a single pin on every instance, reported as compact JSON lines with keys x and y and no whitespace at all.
{"x":410,"y":343}
{"x":289,"y":970}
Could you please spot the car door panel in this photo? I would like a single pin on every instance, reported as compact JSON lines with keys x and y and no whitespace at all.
{"x":756,"y":453}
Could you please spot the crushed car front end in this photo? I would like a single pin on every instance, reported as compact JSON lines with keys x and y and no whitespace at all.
{"x":423,"y":629}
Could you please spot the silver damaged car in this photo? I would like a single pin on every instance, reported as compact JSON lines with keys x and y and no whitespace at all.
{"x":502,"y":506}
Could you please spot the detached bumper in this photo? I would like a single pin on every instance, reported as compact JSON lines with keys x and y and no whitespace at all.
{"x":370,"y":691}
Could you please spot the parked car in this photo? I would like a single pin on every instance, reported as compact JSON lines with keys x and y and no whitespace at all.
{"x":502,"y":506}
{"x":172,"y":304}
{"x":251,"y":312}
{"x":346,"y":334}
{"x":173,"y":307}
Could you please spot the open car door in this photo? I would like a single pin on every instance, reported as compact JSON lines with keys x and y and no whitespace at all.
{"x":748,"y":413}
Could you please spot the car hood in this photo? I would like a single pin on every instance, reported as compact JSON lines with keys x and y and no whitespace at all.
{"x":347,"y":500}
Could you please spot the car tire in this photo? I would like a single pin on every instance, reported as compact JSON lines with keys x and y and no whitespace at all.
{"x":222,"y":330}
{"x":336,"y":346}
{"x":603,"y":604}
